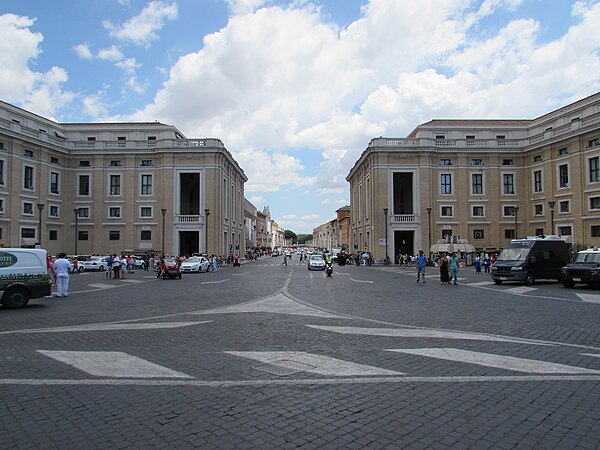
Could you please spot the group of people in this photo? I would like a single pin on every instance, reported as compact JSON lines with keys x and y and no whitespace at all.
{"x":447,"y":265}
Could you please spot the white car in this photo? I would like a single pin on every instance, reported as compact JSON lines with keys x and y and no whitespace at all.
{"x":98,"y":264}
{"x":195,"y":264}
{"x":316,"y":262}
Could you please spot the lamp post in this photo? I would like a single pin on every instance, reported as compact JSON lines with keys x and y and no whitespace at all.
{"x":76,"y":212}
{"x":551,"y":205}
{"x":516,"y":210}
{"x":40,"y":207}
{"x":206,"y":214}
{"x":163,"y":211}
{"x":429,"y":230}
{"x":387,"y":258}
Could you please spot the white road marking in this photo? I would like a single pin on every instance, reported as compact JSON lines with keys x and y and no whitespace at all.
{"x":318,"y":364}
{"x":595,"y":355}
{"x":480,"y":283}
{"x":102,"y":285}
{"x":278,"y":304}
{"x":112,"y":364}
{"x":591,"y":298}
{"x":108,"y":327}
{"x":239,"y":274}
{"x":127,"y":280}
{"x":520,"y":290}
{"x":361,"y":281}
{"x":422,"y":333}
{"x":214,"y":282}
{"x":497,"y":361}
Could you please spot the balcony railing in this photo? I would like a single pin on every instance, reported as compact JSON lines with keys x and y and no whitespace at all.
{"x":186,"y":218}
{"x":404,"y":218}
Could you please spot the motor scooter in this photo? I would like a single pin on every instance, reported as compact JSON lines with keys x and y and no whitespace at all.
{"x":329,"y":269}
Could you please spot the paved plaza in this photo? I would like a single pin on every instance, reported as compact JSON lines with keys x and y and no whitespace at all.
{"x":271,"y":356}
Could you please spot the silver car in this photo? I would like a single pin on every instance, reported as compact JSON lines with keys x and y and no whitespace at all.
{"x":316,"y":262}
{"x":195,"y":264}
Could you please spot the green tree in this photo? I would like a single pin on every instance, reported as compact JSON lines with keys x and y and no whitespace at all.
{"x":289,"y":234}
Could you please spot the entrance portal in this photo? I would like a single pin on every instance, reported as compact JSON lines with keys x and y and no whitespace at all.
{"x":189,"y":242}
{"x":403,"y":244}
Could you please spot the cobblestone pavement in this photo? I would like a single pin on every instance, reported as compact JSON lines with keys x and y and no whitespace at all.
{"x":271,"y":356}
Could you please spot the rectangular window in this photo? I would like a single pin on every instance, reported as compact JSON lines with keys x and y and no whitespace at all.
{"x":563,"y":175}
{"x":147,"y":162}
{"x":562,"y":151}
{"x":83,"y":235}
{"x":27,"y":208}
{"x":507,"y":162}
{"x":29,"y":153}
{"x":52,"y":235}
{"x":564,"y":231}
{"x":146,"y":235}
{"x":146,"y":211}
{"x":476,"y":162}
{"x":28,"y":178}
{"x":115,"y":185}
{"x":83,"y":213}
{"x":53,"y":211}
{"x":446,"y":183}
{"x":595,"y":230}
{"x":564,"y":206}
{"x":537,"y":158}
{"x":1,"y":172}
{"x":54,"y":160}
{"x":594,"y":169}
{"x":508,"y":211}
{"x":91,"y":138}
{"x":539,"y":209}
{"x":539,"y":231}
{"x":476,"y":183}
{"x":84,"y":185}
{"x":146,"y":184}
{"x":478,"y":234}
{"x":445,"y":162}
{"x":509,"y":233}
{"x":54,"y":189}
{"x":447,"y":211}
{"x":594,"y":142}
{"x":508,"y":183}
{"x":440,"y":136}
{"x":27,"y":233}
{"x":114,"y":235}
{"x":537,"y":181}
{"x":1,"y":205}
{"x":115,"y":163}
{"x":595,"y":203}
{"x":478,"y":211}
{"x":446,"y":234}
{"x":114,"y":212}
{"x":84,"y":164}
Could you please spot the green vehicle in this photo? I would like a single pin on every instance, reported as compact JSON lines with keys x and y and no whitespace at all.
{"x":23,"y":276}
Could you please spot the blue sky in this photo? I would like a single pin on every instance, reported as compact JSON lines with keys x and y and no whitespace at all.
{"x":296,"y":89}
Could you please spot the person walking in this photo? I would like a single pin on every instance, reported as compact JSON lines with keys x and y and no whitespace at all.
{"x":444,"y":275}
{"x":453,"y":262}
{"x":61,"y":272}
{"x":214,"y":263}
{"x":421,"y":263}
{"x":109,"y":266}
{"x":116,"y":266}
{"x":478,"y":265}
{"x":284,"y":263}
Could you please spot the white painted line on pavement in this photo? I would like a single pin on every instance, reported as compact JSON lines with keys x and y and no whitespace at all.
{"x":590,"y":298}
{"x":361,"y":281}
{"x":127,"y":280}
{"x":101,"y":285}
{"x":520,"y":290}
{"x":318,"y":364}
{"x":422,"y":333}
{"x":480,"y":283}
{"x":497,"y":361}
{"x":239,"y":274}
{"x":108,"y":327}
{"x":595,"y":355}
{"x":215,"y":282}
{"x":112,"y":364}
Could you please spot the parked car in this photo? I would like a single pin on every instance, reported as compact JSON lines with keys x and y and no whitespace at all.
{"x":80,"y":268}
{"x":584,"y":270}
{"x":23,"y":275}
{"x":139,"y":262}
{"x":94,"y":264}
{"x":170,"y":269}
{"x":195,"y":264}
{"x":316,"y":262}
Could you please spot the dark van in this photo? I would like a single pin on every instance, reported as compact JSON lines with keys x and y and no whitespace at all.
{"x":530,"y":259}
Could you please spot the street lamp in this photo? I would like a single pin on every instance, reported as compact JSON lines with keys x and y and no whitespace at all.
{"x":387,"y":258}
{"x":551,"y":205}
{"x":516,"y":210}
{"x":206,"y":214}
{"x":76,"y":212}
{"x":429,"y":230}
{"x":40,"y":209}
{"x":163,"y":211}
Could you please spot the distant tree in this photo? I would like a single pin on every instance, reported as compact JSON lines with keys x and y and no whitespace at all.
{"x":302,"y":238}
{"x":289,"y":234}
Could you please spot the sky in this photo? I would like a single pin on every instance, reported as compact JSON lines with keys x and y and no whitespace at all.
{"x":296,"y":89}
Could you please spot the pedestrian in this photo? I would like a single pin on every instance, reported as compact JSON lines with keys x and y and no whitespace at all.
{"x":487,"y":263}
{"x":123,"y":267}
{"x":75,"y":265}
{"x":284,"y":263}
{"x":116,"y":266}
{"x":109,"y":266}
{"x":61,"y":272}
{"x":477,"y":265}
{"x":444,"y":275}
{"x":421,"y":263}
{"x":453,"y":263}
{"x":214,"y":263}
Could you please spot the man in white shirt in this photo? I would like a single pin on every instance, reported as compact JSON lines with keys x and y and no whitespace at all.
{"x":61,"y":271}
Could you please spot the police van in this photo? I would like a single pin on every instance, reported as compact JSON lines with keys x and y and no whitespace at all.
{"x":23,"y":276}
{"x":584,"y":270}
{"x":530,"y":259}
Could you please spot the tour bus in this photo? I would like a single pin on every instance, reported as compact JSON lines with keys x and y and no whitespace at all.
{"x":532,"y":258}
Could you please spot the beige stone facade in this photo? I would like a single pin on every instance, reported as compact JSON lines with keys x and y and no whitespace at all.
{"x":116,"y":187}
{"x":483,"y":180}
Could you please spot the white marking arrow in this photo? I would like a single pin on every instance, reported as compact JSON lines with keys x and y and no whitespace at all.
{"x":591,"y":298}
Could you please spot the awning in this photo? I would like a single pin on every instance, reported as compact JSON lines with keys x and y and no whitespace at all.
{"x":450,"y":248}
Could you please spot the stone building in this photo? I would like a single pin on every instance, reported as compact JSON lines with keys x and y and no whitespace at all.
{"x":97,"y":188}
{"x":486,"y":181}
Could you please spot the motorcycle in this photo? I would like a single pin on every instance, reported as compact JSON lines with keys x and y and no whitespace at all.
{"x":329,"y":269}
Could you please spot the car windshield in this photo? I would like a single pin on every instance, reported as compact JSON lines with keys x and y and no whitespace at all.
{"x":513,"y":254}
{"x":588,"y":258}
{"x":316,"y":258}
{"x":193,"y":259}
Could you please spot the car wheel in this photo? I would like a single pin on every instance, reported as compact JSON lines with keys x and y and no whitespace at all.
{"x":17,"y":297}
{"x":101,"y":268}
{"x":568,"y":283}
{"x":80,"y":269}
{"x":498,"y":281}
{"x":529,"y":280}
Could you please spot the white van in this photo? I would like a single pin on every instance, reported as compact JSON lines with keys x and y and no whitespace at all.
{"x":23,"y":275}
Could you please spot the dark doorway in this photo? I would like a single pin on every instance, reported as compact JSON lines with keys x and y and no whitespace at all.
{"x":189,"y":243}
{"x":403,"y":193}
{"x":189,"y":189}
{"x":403,"y":243}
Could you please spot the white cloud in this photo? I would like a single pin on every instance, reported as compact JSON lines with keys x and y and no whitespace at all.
{"x":112,"y":54}
{"x":238,"y":7}
{"x":257,"y":200}
{"x":94,"y":105}
{"x":83,"y":51}
{"x":40,"y":92}
{"x":141,"y":29}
